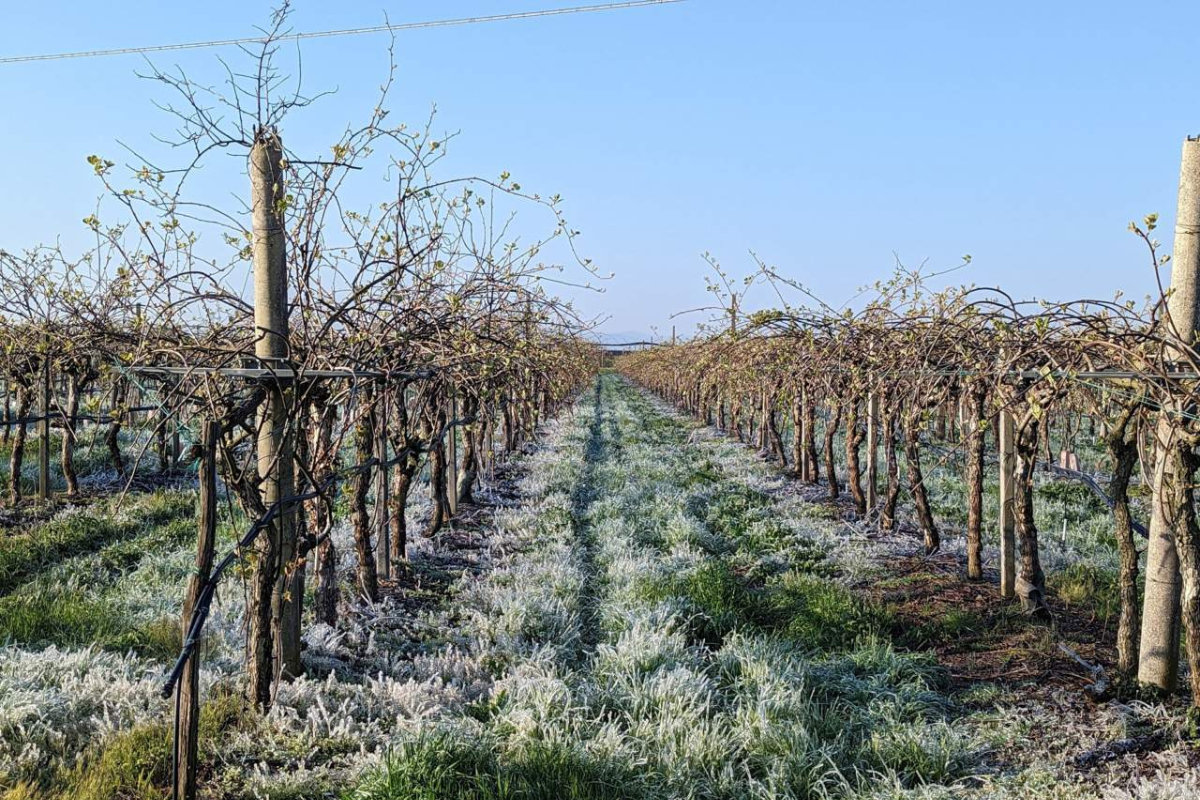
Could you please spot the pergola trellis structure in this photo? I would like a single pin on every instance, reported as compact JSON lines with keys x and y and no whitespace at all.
{"x":900,"y":366}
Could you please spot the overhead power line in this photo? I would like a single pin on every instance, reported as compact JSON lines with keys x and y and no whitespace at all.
{"x":386,"y":28}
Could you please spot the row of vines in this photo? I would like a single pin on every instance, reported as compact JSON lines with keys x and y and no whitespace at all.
{"x":345,"y":341}
{"x":888,"y":374}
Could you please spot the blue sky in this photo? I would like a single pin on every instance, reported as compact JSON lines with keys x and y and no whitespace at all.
{"x":823,"y":136}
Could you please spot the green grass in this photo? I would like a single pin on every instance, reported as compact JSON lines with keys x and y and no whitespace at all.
{"x":819,"y":613}
{"x":953,"y":624}
{"x":444,"y":765}
{"x":1089,"y":587}
{"x":69,"y":603}
{"x":23,"y":555}
{"x":726,"y":593}
{"x":1074,"y":495}
{"x":136,"y":764}
{"x":73,"y":617}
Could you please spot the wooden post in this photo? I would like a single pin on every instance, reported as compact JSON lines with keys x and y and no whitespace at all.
{"x":1008,"y":511}
{"x":452,"y":456}
{"x":186,"y":742}
{"x":383,"y":547}
{"x":872,"y":451}
{"x":491,"y":446}
{"x":806,"y":465}
{"x":44,"y":443}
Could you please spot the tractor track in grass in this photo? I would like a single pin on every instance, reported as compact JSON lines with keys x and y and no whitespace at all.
{"x":598,"y":448}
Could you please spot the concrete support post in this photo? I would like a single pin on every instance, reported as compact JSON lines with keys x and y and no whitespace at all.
{"x":1159,"y":658}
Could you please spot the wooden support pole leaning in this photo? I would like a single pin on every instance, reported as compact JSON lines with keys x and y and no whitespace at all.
{"x":44,"y":441}
{"x":1008,"y":510}
{"x":188,"y":699}
{"x":872,"y":451}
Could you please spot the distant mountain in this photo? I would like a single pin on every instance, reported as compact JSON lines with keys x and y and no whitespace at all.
{"x":620,"y":337}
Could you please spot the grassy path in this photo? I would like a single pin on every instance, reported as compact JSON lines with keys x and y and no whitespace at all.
{"x":665,"y":636}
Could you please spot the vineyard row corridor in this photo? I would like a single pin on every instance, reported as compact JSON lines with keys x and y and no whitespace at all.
{"x":665,"y":629}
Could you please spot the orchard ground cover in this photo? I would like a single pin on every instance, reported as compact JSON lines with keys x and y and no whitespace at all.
{"x":652,"y":612}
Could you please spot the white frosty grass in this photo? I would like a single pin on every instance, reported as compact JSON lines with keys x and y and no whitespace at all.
{"x":1167,"y":774}
{"x":54,"y":703}
{"x":595,"y":666}
{"x":557,"y":637}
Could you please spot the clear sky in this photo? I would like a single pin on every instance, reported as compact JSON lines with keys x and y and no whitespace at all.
{"x":823,"y":136}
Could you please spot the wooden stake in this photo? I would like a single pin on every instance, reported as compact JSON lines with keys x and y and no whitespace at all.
{"x":44,"y":443}
{"x":383,"y":548}
{"x":872,"y":451}
{"x":452,"y":457}
{"x":273,"y":551}
{"x":186,"y":741}
{"x":1008,"y":511}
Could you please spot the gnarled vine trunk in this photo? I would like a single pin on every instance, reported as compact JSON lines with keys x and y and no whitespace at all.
{"x":771,"y":427}
{"x":439,"y":514}
{"x":16,"y":459}
{"x":798,"y":436}
{"x":1182,"y":512}
{"x":470,"y":455}
{"x":810,"y":440}
{"x":831,"y":428}
{"x":891,"y":497}
{"x":1122,"y":447}
{"x":976,"y":445}
{"x":1031,"y":580}
{"x":326,"y":593}
{"x":112,"y":437}
{"x":916,"y":481}
{"x":364,"y":445}
{"x":854,"y":439}
{"x":69,"y":438}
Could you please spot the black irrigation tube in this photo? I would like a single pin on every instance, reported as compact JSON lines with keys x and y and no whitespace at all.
{"x":11,"y":423}
{"x":208,"y":590}
{"x":1071,"y":474}
{"x":1090,"y":482}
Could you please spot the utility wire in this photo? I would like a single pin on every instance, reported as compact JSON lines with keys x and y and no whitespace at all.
{"x":387,"y":28}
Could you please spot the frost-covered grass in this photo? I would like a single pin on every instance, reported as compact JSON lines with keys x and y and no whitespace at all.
{"x":658,"y":619}
{"x":661,"y":635}
{"x":93,"y":464}
{"x":93,"y":598}
{"x":1075,"y":526}
{"x":1039,"y":734}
